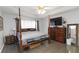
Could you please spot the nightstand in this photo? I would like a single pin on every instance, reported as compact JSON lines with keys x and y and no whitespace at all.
{"x":11,"y":39}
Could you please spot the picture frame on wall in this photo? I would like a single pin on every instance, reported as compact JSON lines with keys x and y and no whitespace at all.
{"x":1,"y":23}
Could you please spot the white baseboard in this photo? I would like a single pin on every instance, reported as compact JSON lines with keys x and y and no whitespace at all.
{"x":1,"y":48}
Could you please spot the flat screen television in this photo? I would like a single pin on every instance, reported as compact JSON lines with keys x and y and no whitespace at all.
{"x":56,"y":21}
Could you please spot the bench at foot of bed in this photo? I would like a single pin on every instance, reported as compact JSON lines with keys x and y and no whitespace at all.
{"x":33,"y":44}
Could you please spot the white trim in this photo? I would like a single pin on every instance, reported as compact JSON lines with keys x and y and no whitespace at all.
{"x":1,"y":48}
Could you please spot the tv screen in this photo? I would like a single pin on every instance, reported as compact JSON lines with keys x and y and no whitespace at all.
{"x":56,"y":21}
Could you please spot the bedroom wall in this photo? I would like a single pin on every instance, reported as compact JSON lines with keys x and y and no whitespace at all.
{"x":41,"y":25}
{"x":10,"y":23}
{"x":71,"y":17}
{"x":44,"y":25}
{"x":1,"y":37}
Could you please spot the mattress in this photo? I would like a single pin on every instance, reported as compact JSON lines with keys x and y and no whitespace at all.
{"x":29,"y":36}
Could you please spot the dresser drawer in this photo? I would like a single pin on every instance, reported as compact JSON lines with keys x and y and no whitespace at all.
{"x":61,"y":39}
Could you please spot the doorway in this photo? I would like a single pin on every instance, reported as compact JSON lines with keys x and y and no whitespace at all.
{"x":72,"y":33}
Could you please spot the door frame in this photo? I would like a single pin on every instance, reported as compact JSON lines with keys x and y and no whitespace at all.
{"x":76,"y":32}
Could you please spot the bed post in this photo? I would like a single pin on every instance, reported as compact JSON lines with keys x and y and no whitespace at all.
{"x":49,"y":40}
{"x":21,"y":48}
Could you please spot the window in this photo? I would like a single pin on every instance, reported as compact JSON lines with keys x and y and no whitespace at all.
{"x":27,"y":24}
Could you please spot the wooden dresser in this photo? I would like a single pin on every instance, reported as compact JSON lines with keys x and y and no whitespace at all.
{"x":57,"y":33}
{"x":11,"y":39}
{"x":51,"y":33}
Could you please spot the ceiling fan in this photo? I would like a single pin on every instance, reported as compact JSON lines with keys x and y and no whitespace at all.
{"x":42,"y":9}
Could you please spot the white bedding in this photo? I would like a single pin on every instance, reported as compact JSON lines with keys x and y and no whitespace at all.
{"x":27,"y":36}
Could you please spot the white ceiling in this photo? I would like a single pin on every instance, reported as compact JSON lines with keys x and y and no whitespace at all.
{"x":31,"y":11}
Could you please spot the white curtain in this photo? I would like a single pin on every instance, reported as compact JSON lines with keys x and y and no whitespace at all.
{"x":25,"y":24}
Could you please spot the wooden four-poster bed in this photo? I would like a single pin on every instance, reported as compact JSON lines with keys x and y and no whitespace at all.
{"x":25,"y":37}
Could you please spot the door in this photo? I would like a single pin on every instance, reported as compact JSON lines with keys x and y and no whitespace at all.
{"x":72,"y":33}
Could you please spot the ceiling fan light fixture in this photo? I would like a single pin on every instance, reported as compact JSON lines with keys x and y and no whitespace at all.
{"x":41,"y":9}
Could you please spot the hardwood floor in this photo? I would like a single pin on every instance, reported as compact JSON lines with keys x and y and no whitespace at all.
{"x":54,"y":47}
